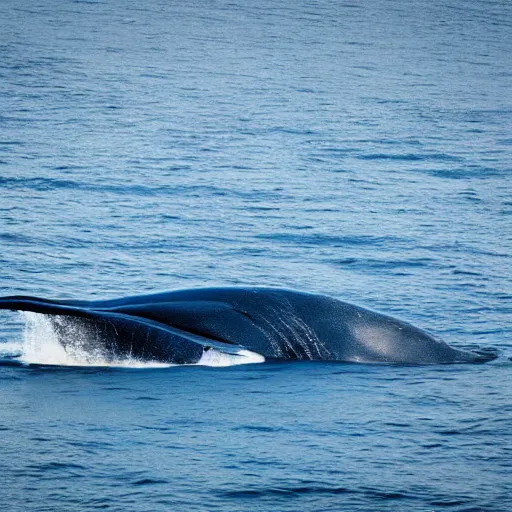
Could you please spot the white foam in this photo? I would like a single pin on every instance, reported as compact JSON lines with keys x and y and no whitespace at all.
{"x":11,"y":349}
{"x":41,"y":345}
{"x":40,"y":342}
{"x":216,"y":358}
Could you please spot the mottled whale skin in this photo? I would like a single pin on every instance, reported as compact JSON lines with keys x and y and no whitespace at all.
{"x":180,"y":326}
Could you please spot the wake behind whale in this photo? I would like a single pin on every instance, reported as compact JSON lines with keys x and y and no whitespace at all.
{"x":224,"y":326}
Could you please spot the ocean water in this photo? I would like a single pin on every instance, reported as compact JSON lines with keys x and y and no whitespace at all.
{"x":357,"y":149}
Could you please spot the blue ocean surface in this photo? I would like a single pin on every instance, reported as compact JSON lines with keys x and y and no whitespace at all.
{"x":357,"y":149}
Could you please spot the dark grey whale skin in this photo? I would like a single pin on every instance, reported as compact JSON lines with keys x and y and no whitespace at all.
{"x":179,"y":326}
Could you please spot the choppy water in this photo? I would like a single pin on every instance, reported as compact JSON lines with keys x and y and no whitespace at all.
{"x":358,"y":149}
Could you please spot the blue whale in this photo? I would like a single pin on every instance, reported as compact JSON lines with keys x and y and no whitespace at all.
{"x":181,"y":326}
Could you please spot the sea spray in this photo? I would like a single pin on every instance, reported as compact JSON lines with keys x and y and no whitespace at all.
{"x":42,"y":344}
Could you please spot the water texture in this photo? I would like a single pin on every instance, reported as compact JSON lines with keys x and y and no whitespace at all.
{"x":358,"y":149}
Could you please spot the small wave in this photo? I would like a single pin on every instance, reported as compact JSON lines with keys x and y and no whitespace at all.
{"x":150,"y":481}
{"x":11,"y":349}
{"x":320,"y":489}
{"x":55,"y":466}
{"x":410,"y":157}
{"x":332,"y":240}
{"x":259,"y":493}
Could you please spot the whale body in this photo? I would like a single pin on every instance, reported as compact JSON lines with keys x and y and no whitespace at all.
{"x":180,"y":326}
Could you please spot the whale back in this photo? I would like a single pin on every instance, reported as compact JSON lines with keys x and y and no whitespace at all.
{"x":179,"y":326}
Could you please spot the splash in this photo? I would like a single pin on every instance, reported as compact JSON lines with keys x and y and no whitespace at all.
{"x":218,"y":359}
{"x":40,"y":345}
{"x":40,"y":342}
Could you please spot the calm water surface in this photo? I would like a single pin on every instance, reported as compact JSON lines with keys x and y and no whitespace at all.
{"x":358,"y":149}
